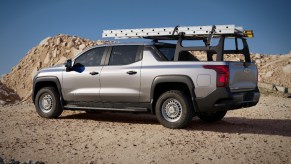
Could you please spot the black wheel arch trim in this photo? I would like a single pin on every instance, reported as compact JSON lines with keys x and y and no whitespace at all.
{"x":53,"y":79}
{"x":174,"y":79}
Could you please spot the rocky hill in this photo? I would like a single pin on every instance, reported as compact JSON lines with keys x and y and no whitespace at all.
{"x":274,"y":69}
{"x":49,"y":52}
{"x":7,"y":95}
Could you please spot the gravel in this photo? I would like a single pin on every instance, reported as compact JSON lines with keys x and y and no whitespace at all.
{"x":259,"y":134}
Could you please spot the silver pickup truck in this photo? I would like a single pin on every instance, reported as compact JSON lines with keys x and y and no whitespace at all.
{"x":164,"y":79}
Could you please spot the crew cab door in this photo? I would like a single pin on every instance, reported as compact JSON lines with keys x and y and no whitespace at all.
{"x":82,"y":83}
{"x":120,"y":77}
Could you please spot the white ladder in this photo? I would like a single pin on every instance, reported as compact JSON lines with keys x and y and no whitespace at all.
{"x":189,"y":31}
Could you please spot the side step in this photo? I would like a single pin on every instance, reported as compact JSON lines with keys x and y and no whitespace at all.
{"x":107,"y":109}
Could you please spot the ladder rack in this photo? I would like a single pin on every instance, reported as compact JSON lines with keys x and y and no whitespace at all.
{"x":173,"y":33}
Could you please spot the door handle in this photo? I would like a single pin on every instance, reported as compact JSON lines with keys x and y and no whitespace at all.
{"x":94,"y":73}
{"x":131,"y":72}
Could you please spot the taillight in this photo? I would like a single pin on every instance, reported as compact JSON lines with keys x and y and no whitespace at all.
{"x":222,"y":72}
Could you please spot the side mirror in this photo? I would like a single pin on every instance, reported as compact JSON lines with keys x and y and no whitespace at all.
{"x":68,"y":65}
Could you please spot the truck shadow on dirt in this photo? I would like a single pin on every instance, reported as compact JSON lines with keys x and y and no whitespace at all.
{"x":238,"y":125}
{"x":138,"y":118}
{"x":241,"y":125}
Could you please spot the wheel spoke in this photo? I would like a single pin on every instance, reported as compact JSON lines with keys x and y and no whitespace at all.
{"x":172,"y":110}
{"x":46,"y":102}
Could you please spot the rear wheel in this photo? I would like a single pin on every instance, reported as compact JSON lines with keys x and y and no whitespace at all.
{"x":47,"y":103}
{"x":212,"y":117}
{"x":174,"y":109}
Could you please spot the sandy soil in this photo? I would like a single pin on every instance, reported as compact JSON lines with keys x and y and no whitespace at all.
{"x":260,"y":134}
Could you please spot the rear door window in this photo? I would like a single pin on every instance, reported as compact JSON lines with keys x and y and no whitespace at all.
{"x":123,"y":55}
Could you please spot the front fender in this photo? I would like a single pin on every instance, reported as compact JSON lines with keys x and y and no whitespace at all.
{"x":39,"y":82}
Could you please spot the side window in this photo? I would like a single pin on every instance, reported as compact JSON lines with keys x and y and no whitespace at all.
{"x":91,"y":57}
{"x":123,"y":55}
{"x":167,"y":52}
{"x":154,"y":52}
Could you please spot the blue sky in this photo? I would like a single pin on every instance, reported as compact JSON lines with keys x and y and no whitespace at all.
{"x":24,"y":23}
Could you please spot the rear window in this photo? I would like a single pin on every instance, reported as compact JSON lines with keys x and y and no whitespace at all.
{"x":169,"y":53}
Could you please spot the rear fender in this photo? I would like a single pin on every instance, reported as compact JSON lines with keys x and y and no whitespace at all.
{"x":174,"y":79}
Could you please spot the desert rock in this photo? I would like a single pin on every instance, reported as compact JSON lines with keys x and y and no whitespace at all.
{"x":7,"y":95}
{"x":45,"y":41}
{"x":269,"y":74}
{"x":258,"y":61}
{"x":258,"y":56}
{"x":287,"y":69}
{"x":82,"y":46}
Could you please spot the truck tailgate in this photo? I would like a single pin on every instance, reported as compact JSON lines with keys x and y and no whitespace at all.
{"x":242,"y":76}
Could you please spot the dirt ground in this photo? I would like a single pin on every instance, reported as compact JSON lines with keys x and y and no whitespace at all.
{"x":261,"y":134}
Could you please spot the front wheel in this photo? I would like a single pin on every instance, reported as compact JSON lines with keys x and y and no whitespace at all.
{"x":47,"y":103}
{"x":212,"y":117}
{"x":174,"y":109}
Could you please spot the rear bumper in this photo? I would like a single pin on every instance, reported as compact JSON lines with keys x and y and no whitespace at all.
{"x":223,"y":99}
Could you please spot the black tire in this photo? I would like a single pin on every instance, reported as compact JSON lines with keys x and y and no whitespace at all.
{"x":174,"y":109}
{"x":212,"y":117}
{"x":47,"y":103}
